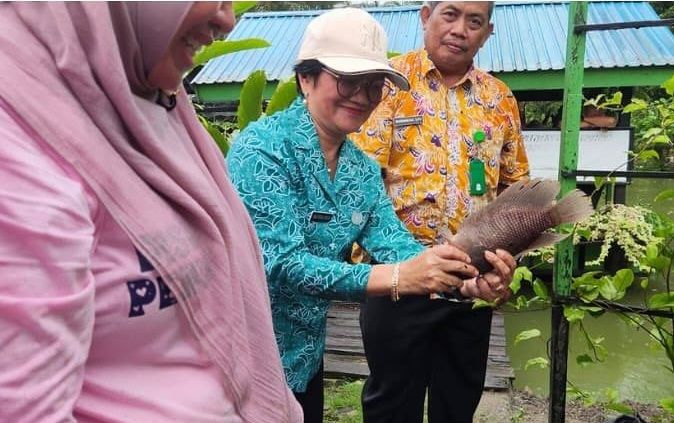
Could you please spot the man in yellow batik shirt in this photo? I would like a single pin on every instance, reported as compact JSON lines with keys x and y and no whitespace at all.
{"x":448,"y":145}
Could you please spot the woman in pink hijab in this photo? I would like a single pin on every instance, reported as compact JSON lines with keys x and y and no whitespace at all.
{"x":131,"y":283}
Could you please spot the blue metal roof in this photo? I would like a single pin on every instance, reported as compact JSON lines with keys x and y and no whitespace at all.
{"x":527,"y":37}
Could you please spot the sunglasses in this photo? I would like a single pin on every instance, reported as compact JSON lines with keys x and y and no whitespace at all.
{"x":348,"y":86}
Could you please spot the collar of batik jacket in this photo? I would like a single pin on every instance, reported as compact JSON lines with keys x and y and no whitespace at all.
{"x":304,"y":138}
{"x":427,"y":66}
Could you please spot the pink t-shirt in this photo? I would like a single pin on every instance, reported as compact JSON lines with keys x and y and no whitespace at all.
{"x":88,"y":330}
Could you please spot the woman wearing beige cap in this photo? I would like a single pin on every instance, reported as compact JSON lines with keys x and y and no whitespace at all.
{"x":311,"y":194}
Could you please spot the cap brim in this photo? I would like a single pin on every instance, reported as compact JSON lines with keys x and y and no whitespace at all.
{"x":359,"y":66}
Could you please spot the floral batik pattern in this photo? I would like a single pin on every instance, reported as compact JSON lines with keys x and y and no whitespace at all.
{"x":423,"y":138}
{"x":307,"y":223}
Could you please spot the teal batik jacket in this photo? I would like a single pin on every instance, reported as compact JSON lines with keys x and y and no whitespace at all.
{"x":307,"y":224}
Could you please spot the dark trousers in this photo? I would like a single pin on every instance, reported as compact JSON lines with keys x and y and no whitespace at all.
{"x":311,"y":400}
{"x":419,"y":344}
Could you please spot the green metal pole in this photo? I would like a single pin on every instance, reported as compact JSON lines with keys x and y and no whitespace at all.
{"x":568,"y":162}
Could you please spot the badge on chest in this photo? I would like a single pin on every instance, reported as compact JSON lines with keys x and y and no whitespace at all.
{"x":320,"y":217}
{"x":401,"y":122}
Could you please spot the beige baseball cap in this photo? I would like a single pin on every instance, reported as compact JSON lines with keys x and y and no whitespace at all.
{"x":351,"y":42}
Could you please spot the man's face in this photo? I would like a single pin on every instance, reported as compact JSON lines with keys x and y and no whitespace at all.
{"x":454,"y":32}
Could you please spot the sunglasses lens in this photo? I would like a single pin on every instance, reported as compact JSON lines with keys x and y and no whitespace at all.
{"x":377,"y":91}
{"x":347,"y":87}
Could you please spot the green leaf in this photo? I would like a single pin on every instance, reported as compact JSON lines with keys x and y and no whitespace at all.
{"x":594,"y":311}
{"x":615,"y":100}
{"x":601,"y":352}
{"x":573,"y":314}
{"x":527,"y":334}
{"x":525,"y":272}
{"x":250,"y":102}
{"x":623,"y":279}
{"x":636,"y":104}
{"x":520,"y":273}
{"x":659,"y":263}
{"x":391,"y":54}
{"x":540,"y":289}
{"x":652,"y":251}
{"x":479,"y":303}
{"x":599,"y":181}
{"x":652,"y":132}
{"x":668,"y":404}
{"x":644,"y":283}
{"x":587,"y":285}
{"x":663,"y":300}
{"x":668,"y":85}
{"x":594,"y":101}
{"x":588,"y":293}
{"x":608,"y":290}
{"x":664,"y":195}
{"x":660,"y":141}
{"x":220,"y":47}
{"x":587,"y":278}
{"x":620,"y":407}
{"x":540,"y":362}
{"x":515,"y":284}
{"x":217,"y":136}
{"x":584,"y":233}
{"x":284,"y":94}
{"x":584,"y":360}
{"x":611,"y":395}
{"x":648,"y":155}
{"x":241,"y":7}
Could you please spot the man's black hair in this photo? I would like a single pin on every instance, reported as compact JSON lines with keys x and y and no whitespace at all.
{"x":432,"y":4}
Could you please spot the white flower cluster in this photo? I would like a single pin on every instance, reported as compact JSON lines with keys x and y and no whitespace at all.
{"x":619,"y":225}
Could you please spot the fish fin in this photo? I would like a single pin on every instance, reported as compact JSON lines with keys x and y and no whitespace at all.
{"x":574,"y":207}
{"x":538,"y":192}
{"x":546,"y":238}
{"x":535,"y":193}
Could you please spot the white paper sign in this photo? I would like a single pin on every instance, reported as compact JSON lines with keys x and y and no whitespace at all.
{"x":597,"y":150}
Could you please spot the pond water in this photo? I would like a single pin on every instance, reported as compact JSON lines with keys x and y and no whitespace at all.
{"x":634,"y":367}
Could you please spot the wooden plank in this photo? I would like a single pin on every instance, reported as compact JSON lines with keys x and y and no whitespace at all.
{"x":337,"y":365}
{"x":344,"y":355}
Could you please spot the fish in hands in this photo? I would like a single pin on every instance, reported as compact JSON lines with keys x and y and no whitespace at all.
{"x":518,"y":219}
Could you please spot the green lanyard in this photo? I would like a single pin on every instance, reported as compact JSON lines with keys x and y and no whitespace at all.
{"x":476,"y":169}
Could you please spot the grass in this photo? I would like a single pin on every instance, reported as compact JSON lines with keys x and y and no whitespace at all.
{"x":342,"y":401}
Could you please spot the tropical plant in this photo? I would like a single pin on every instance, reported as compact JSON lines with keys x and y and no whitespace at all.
{"x":251,"y":106}
{"x":648,"y":241}
{"x":542,"y":114}
{"x":654,"y":129}
{"x":251,"y":100}
{"x":596,"y":292}
{"x":222,"y":47}
{"x":629,"y":228}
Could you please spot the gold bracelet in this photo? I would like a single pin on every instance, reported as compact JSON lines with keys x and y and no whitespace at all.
{"x":395,"y":295}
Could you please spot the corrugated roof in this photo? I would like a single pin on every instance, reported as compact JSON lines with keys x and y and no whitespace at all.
{"x":527,"y":37}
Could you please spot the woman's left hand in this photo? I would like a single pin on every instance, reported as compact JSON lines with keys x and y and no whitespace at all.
{"x":494,"y":285}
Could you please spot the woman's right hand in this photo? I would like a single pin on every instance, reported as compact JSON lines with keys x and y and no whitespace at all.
{"x":441,"y":268}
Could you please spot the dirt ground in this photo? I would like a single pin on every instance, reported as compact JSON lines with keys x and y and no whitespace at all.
{"x":522,"y":407}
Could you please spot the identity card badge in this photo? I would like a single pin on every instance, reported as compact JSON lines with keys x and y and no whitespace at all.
{"x":476,"y":169}
{"x":320,"y":217}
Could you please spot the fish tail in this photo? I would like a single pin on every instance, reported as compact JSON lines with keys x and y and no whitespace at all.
{"x":574,"y":207}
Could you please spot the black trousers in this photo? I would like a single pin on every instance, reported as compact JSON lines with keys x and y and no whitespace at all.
{"x":419,"y":344}
{"x":311,"y":400}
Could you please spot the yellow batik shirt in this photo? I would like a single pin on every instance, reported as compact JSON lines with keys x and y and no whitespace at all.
{"x":424,"y":141}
